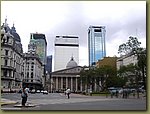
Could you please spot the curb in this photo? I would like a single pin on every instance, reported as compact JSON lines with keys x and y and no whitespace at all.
{"x":27,"y":105}
{"x":8,"y":103}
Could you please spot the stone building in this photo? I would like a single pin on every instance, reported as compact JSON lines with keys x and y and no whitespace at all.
{"x":11,"y":58}
{"x":17,"y":68}
{"x":108,"y":61}
{"x":33,"y":70}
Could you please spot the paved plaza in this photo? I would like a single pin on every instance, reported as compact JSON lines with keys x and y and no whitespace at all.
{"x":58,"y":101}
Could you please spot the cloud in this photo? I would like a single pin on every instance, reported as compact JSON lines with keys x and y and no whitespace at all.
{"x":121,"y":18}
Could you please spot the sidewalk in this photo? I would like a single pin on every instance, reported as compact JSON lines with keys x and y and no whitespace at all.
{"x":7,"y":102}
{"x":16,"y":103}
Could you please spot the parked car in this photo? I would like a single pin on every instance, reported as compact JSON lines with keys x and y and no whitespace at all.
{"x":38,"y":91}
{"x":45,"y":92}
{"x":33,"y":91}
{"x":115,"y":89}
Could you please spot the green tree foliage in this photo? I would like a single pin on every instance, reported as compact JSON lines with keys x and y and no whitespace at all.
{"x":142,"y":64}
{"x":92,"y":76}
{"x":131,"y":45}
{"x":116,"y":81}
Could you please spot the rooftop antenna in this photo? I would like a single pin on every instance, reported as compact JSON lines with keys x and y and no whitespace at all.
{"x":6,"y":21}
{"x":13,"y":24}
{"x":136,"y":32}
{"x":72,"y":57}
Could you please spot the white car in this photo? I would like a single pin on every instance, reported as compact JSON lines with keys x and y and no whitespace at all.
{"x":38,"y":91}
{"x":33,"y":91}
{"x":45,"y":92}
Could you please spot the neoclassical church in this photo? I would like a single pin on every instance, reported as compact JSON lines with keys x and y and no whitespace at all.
{"x":66,"y":78}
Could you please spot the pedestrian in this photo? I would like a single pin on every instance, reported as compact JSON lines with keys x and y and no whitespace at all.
{"x":68,"y":91}
{"x":133,"y":93}
{"x":24,"y":96}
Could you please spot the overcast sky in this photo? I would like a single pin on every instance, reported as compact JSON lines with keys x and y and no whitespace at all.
{"x":121,"y":18}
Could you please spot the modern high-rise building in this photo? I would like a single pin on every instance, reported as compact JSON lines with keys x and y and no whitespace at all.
{"x":96,"y":44}
{"x":48,"y":66}
{"x":66,"y":47}
{"x":41,"y":43}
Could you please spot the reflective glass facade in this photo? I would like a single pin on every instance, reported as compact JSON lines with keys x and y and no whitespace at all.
{"x":96,"y":43}
{"x":40,"y":41}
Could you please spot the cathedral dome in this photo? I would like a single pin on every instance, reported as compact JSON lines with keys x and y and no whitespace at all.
{"x":10,"y":31}
{"x":71,"y":63}
{"x":15,"y":34}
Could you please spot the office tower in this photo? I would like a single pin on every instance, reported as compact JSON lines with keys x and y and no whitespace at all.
{"x":41,"y":44}
{"x":96,"y":44}
{"x":48,"y":66}
{"x":66,"y":47}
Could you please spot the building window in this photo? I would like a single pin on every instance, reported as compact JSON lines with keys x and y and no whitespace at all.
{"x":97,"y":30}
{"x":6,"y":52}
{"x":32,"y":66}
{"x":31,"y":74}
{"x":27,"y":74}
{"x":5,"y":73}
{"x":6,"y":61}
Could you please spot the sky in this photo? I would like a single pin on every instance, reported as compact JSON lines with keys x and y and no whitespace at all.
{"x":121,"y":19}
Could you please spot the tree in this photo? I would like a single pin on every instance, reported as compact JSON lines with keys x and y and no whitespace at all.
{"x":131,"y":73}
{"x":102,"y":74}
{"x":97,"y":75}
{"x":131,"y":45}
{"x":87,"y":77}
{"x":142,"y":64}
{"x":116,"y":81}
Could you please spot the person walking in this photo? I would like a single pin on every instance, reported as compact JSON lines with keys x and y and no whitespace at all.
{"x":68,"y":91}
{"x":24,"y":96}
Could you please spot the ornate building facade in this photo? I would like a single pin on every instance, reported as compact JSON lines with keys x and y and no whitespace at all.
{"x":33,"y":70}
{"x":17,"y":68}
{"x":11,"y":58}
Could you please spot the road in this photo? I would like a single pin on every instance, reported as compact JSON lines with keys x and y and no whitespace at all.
{"x":57,"y":101}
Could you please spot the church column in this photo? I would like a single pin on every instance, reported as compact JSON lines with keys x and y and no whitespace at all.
{"x":71,"y":83}
{"x":56,"y":83}
{"x":61,"y":82}
{"x":81,"y":85}
{"x":76,"y":84}
{"x":66,"y":82}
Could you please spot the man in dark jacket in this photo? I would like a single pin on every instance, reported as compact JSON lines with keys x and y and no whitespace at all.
{"x":24,"y":96}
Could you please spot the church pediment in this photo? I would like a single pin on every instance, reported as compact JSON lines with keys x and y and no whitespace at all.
{"x":74,"y":70}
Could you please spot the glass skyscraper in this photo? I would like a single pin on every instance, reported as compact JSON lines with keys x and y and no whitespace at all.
{"x":96,"y":44}
{"x":41,"y":43}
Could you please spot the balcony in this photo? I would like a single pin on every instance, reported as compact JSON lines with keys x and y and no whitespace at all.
{"x":7,"y":67}
{"x":7,"y":78}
